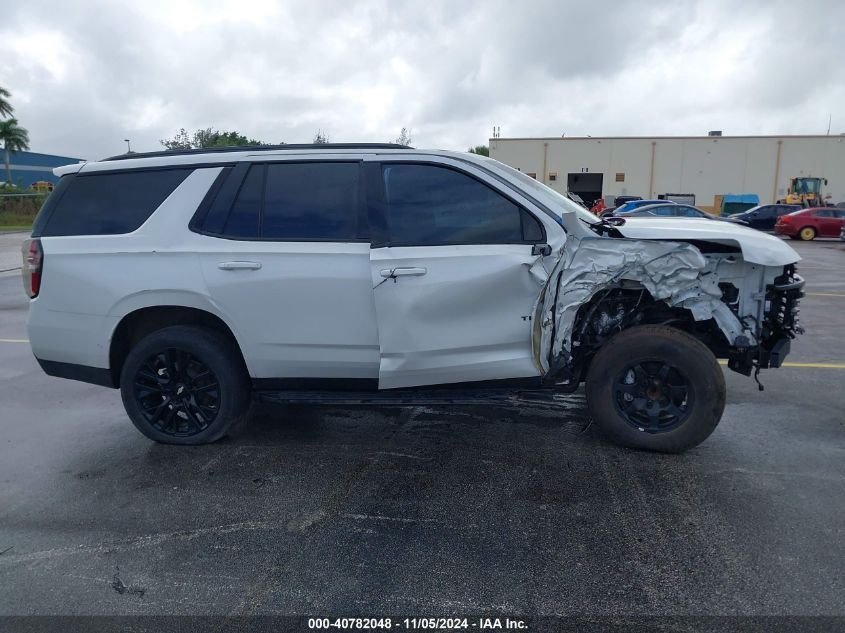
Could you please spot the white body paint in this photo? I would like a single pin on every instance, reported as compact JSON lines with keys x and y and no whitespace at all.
{"x":337,"y":310}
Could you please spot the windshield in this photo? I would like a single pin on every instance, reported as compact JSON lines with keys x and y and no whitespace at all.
{"x":806,"y":185}
{"x":544,"y":194}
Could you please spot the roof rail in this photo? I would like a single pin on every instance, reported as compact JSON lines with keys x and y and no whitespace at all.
{"x":253,"y":148}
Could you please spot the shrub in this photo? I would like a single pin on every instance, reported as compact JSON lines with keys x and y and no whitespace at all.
{"x":17,"y":210}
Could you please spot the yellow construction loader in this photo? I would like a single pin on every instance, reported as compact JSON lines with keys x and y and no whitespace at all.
{"x":806,"y":191}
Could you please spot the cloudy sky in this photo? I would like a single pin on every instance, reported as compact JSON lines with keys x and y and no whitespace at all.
{"x":86,"y":75}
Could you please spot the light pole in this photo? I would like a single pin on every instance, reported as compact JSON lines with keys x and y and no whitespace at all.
{"x":128,"y":146}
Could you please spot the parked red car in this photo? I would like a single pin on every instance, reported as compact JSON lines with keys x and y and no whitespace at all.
{"x":808,"y":224}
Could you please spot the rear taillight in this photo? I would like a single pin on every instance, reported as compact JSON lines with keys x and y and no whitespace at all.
{"x":33,"y":263}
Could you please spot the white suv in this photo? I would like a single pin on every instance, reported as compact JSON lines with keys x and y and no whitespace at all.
{"x":365,"y":273}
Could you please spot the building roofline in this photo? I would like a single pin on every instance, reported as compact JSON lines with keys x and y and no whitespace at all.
{"x":659,"y":138}
{"x":31,"y":153}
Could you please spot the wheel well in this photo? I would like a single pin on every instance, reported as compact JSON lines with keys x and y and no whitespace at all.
{"x":138,"y":324}
{"x":620,"y":307}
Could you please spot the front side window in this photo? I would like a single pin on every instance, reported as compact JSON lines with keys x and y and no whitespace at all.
{"x":431,"y":205}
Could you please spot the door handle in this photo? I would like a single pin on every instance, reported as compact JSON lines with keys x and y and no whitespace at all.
{"x":239,"y":265}
{"x":387,"y":273}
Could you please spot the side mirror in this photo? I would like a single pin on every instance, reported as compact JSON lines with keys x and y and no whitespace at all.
{"x":541,"y":249}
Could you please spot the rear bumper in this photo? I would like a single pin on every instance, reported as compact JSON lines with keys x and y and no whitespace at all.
{"x":82,"y":373}
{"x":67,"y":337}
{"x":785,"y":229}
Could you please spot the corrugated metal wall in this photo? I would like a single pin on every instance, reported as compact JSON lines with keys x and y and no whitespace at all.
{"x":30,"y":167}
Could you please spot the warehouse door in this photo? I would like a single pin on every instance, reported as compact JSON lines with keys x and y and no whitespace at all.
{"x":588,"y":186}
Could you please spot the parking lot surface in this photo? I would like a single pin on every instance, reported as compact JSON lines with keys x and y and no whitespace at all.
{"x":10,"y":252}
{"x":323,"y":510}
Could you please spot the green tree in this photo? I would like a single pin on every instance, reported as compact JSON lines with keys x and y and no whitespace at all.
{"x":180,"y":141}
{"x":482,"y":150}
{"x":15,"y":139}
{"x":6,"y":108}
{"x":208,"y":137}
{"x":234,"y":138}
{"x":320,"y":138}
{"x":404,"y":137}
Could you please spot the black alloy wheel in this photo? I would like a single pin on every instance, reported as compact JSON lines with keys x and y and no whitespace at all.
{"x":652,"y":396}
{"x":177,"y":393}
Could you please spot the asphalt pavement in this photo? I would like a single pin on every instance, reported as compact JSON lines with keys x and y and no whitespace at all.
{"x":10,"y":252}
{"x":324,"y":510}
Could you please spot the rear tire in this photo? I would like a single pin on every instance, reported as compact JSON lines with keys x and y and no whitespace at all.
{"x":655,"y":388}
{"x":807,"y":234}
{"x":185,"y":385}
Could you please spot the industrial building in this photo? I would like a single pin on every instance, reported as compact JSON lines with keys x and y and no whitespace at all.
{"x":707,"y":166}
{"x":30,"y":167}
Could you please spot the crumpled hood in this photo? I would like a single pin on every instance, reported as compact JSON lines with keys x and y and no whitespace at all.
{"x":757,"y":247}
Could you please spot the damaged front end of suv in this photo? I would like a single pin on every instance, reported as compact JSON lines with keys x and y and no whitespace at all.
{"x":734,"y":290}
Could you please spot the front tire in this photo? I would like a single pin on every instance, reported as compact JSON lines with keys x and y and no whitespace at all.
{"x":185,"y":385}
{"x":655,"y":388}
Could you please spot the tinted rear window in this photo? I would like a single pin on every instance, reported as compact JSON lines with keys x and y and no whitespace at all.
{"x":109,"y":204}
{"x":49,"y":204}
{"x":311,"y":201}
{"x":305,"y":201}
{"x":244,"y":216}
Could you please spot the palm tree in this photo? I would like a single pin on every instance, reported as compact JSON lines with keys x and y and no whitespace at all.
{"x":15,"y":139}
{"x":6,"y":108}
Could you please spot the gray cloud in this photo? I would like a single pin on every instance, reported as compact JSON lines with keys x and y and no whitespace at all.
{"x":95,"y":73}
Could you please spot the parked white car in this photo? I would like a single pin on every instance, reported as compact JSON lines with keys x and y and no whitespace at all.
{"x":365,"y":273}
